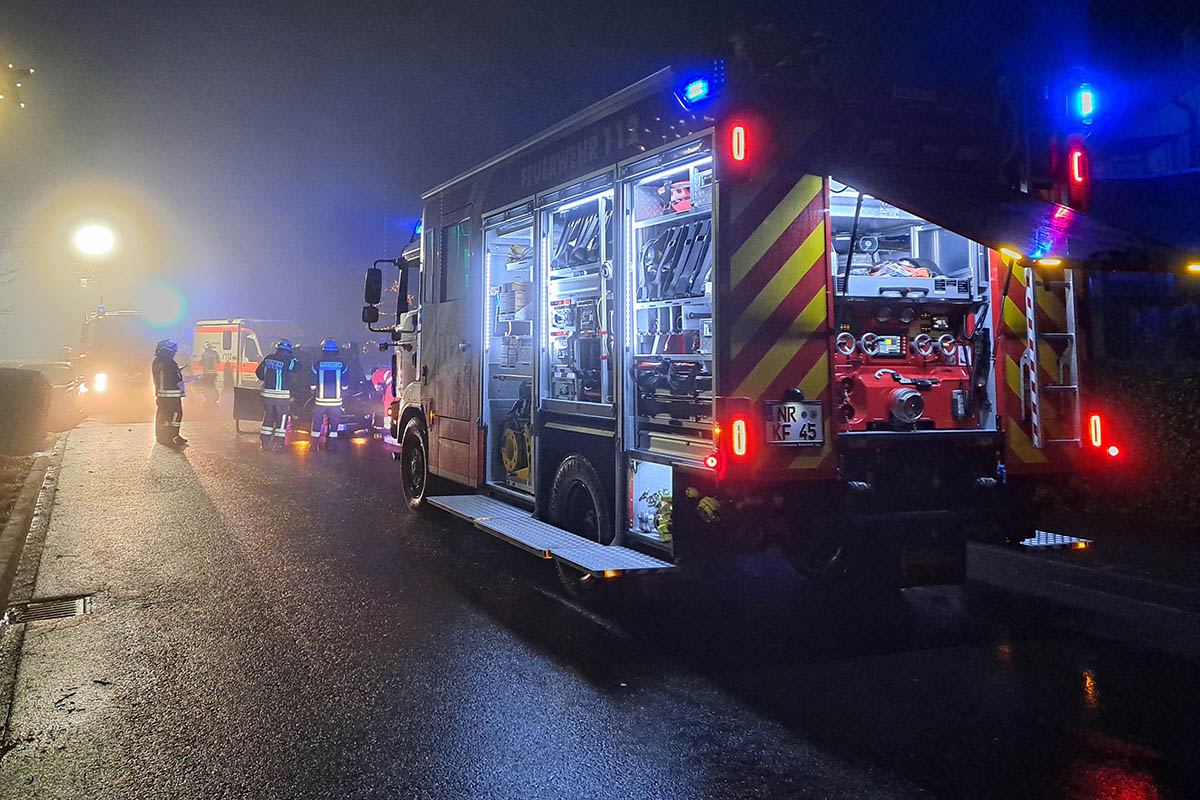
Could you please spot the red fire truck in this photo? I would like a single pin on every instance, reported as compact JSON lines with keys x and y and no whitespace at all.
{"x":714,"y":313}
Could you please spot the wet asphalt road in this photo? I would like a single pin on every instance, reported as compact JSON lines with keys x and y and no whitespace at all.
{"x":276,"y":626}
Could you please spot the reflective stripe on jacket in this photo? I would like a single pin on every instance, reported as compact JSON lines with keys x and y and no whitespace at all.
{"x":275,"y":372}
{"x":168,"y":378}
{"x":330,"y":375}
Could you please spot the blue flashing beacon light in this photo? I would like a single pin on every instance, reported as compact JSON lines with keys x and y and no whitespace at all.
{"x":1085,"y":102}
{"x":696,"y":90}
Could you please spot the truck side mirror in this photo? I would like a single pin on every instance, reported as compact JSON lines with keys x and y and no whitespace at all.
{"x":374,"y":288}
{"x":370,"y":315}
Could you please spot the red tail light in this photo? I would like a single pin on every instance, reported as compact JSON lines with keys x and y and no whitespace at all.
{"x":737,"y":438}
{"x":712,"y":461}
{"x":1096,"y":436}
{"x":732,"y":437}
{"x":737,"y":142}
{"x":1079,"y":172}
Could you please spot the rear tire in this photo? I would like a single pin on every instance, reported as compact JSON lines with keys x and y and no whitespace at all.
{"x":414,"y":464}
{"x":579,"y":504}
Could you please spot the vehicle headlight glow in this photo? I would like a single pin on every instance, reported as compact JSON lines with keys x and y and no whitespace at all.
{"x":100,"y":382}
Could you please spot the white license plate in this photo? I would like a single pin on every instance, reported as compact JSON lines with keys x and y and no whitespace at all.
{"x":795,"y":423}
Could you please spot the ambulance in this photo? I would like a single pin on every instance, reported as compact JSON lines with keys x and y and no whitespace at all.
{"x":240,"y":345}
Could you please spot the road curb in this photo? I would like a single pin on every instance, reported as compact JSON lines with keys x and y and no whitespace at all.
{"x":1161,"y":614}
{"x":30,"y":512}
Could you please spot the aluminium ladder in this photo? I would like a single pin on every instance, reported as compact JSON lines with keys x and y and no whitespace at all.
{"x":1066,"y":390}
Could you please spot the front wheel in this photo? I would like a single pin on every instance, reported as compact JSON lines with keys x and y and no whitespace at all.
{"x":414,"y":464}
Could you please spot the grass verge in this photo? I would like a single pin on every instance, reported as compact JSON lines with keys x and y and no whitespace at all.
{"x":13,"y":472}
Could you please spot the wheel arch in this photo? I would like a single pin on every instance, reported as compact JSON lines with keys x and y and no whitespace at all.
{"x":413,"y":411}
{"x":599,"y":451}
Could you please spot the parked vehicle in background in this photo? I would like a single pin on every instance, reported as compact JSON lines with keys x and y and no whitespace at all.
{"x":240,"y":344}
{"x":381,"y":379}
{"x":113,"y":361}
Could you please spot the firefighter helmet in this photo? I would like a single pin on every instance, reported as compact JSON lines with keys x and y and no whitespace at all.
{"x":284,"y":344}
{"x":168,"y":345}
{"x":329,"y":346}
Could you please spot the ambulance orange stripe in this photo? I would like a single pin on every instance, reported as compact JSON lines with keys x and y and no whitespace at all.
{"x":244,"y":366}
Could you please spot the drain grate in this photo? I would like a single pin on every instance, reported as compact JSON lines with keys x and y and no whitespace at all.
{"x":52,"y":608}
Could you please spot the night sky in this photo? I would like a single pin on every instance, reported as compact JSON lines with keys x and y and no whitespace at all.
{"x":256,"y":157}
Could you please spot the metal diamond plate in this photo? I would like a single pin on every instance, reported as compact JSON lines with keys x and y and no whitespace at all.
{"x":472,"y":507}
{"x":518,"y":527}
{"x":592,"y":557}
{"x":532,"y":535}
{"x":1044,"y":540}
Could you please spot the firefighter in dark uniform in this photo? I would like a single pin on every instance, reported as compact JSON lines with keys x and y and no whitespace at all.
{"x":210,"y":361}
{"x":168,"y":394}
{"x":276,"y":372}
{"x":329,"y":381}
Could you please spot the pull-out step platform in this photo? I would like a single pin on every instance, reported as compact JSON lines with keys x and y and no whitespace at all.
{"x":1044,"y":540}
{"x":517,"y":526}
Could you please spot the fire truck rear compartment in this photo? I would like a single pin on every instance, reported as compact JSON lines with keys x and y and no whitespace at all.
{"x":912,"y":322}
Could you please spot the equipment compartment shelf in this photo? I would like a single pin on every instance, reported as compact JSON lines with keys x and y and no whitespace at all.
{"x":673,"y":424}
{"x":682,"y":356}
{"x":682,"y":300}
{"x":673,"y":217}
{"x":576,"y":270}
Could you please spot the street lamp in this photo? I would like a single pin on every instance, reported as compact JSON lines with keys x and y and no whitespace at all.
{"x":94,"y":240}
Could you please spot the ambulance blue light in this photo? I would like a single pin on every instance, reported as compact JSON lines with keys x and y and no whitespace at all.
{"x":417,"y":230}
{"x":696,"y":90}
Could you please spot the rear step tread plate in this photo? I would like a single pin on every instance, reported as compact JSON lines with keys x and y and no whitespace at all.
{"x":1044,"y":540}
{"x":518,"y":527}
{"x":598,"y":558}
{"x":472,"y":507}
{"x":529,"y":534}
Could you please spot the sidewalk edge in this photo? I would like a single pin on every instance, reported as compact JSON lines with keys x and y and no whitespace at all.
{"x":29,"y":513}
{"x":1165,"y":615}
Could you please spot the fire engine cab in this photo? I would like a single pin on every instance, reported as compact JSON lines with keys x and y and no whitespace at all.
{"x":716,"y":314}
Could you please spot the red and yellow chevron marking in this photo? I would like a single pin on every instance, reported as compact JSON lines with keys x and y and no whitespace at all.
{"x":1022,"y":455}
{"x":777,"y":305}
